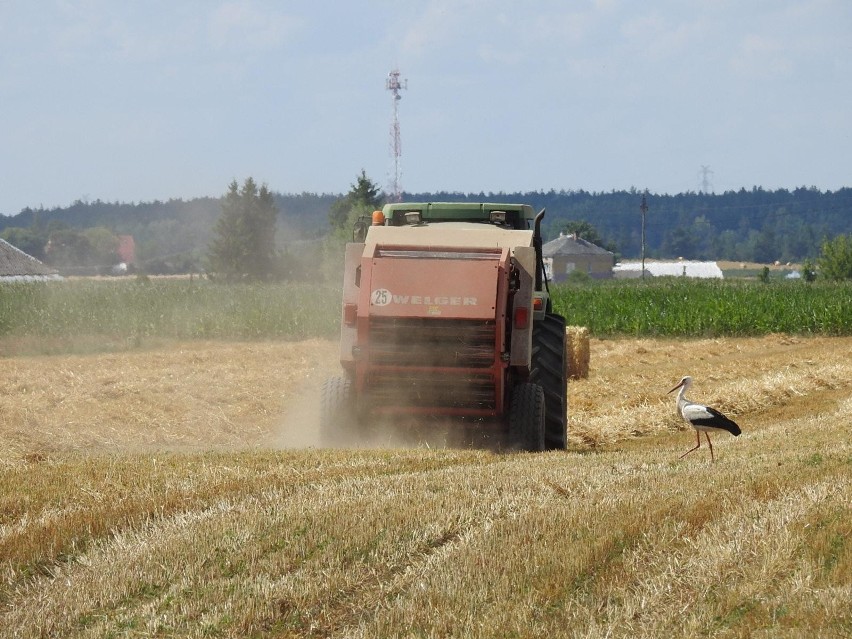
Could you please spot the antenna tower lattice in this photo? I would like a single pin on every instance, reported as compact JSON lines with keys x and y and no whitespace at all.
{"x":395,"y":85}
{"x":706,"y":186}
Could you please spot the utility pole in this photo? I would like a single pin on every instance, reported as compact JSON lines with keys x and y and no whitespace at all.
{"x":644,"y":208}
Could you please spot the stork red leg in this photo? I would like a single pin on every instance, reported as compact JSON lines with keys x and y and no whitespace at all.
{"x":698,"y":445}
{"x":707,"y":435}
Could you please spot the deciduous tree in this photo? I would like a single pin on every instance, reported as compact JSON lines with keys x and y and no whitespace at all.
{"x":27,"y":239}
{"x":835,"y":263}
{"x":584,"y":230}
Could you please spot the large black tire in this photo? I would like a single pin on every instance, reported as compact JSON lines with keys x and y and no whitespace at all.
{"x":336,"y":409}
{"x":548,"y":371}
{"x":526,"y":417}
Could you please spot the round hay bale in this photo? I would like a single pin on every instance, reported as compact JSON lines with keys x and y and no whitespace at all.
{"x":577,"y":352}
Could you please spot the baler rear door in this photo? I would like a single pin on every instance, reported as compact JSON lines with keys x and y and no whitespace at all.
{"x":432,"y":323}
{"x":430,"y":283}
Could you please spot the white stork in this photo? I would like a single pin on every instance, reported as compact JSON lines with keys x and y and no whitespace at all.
{"x":702,"y":418}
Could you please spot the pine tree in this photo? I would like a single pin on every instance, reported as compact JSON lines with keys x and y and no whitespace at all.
{"x":364,"y":197}
{"x":244,"y":241}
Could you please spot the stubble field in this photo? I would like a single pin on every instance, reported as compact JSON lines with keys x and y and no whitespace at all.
{"x":180,"y":490}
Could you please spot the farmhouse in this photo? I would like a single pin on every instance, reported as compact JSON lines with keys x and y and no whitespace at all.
{"x":17,"y":266}
{"x":679,"y":268}
{"x":569,"y":253}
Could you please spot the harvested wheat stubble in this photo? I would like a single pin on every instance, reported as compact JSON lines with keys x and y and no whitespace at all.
{"x":614,"y":538}
{"x":625,"y":396}
{"x":215,"y":395}
{"x":190,"y":396}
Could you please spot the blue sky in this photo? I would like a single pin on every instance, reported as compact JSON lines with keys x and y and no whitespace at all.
{"x":137,"y":101}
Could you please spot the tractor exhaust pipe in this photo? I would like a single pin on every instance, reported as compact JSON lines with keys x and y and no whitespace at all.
{"x":539,"y":258}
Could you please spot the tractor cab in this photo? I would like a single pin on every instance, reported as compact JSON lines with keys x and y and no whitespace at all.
{"x":506,"y":216}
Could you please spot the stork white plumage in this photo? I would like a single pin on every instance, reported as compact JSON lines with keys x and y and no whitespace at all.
{"x":702,"y":418}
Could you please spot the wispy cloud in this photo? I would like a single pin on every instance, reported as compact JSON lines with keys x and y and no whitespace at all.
{"x":438,"y":23}
{"x":245,"y":24}
{"x":761,"y":54}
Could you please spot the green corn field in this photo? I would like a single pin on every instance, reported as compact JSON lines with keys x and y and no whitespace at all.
{"x":706,"y":308}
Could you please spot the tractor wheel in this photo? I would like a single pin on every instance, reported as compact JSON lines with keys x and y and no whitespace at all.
{"x":548,"y":371}
{"x":526,"y":417}
{"x":336,"y":409}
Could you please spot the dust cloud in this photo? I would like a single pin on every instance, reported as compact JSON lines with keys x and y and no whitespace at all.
{"x":299,"y":428}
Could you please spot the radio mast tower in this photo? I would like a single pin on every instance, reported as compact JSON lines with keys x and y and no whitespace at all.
{"x":706,"y":187}
{"x":394,"y":85}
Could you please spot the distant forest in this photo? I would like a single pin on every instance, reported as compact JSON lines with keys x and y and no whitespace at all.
{"x":747,"y":225}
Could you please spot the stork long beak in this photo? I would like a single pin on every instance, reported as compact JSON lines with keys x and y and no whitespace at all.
{"x":675,"y":388}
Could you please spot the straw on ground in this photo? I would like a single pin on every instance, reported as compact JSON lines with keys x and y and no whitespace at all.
{"x":149,"y":493}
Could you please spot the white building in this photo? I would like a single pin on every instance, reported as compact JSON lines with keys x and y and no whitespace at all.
{"x":679,"y":268}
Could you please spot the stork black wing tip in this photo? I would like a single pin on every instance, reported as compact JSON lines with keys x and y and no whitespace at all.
{"x":725,"y":423}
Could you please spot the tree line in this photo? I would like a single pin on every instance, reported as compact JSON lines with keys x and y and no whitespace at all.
{"x":755,"y":225}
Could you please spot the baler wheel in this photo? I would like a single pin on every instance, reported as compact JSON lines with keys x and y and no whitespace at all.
{"x":526,"y":417}
{"x":336,"y":408}
{"x":548,"y":370}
